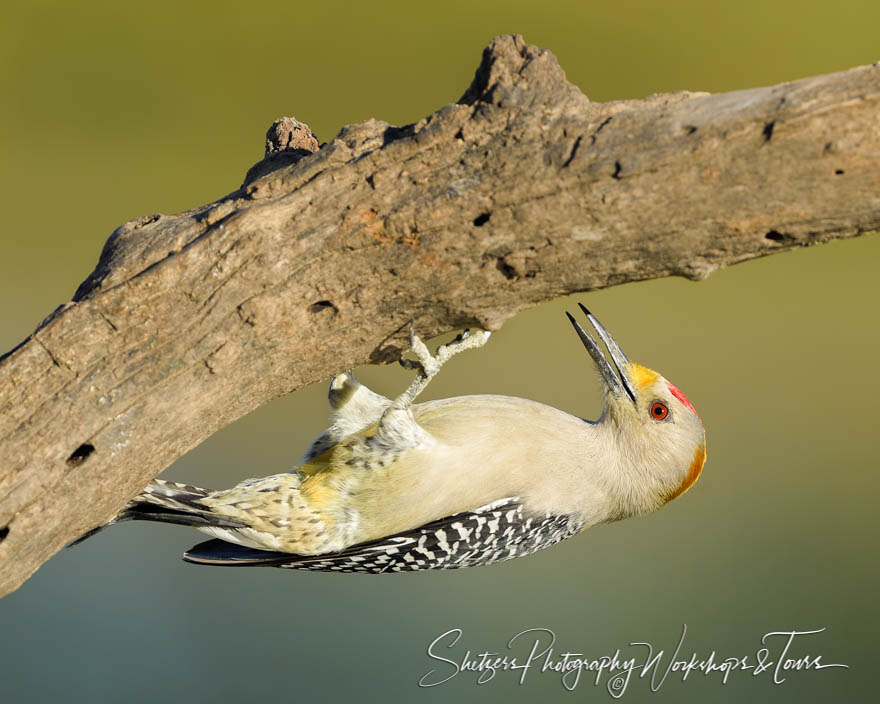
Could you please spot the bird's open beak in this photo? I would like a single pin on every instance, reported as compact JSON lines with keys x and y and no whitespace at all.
{"x":618,"y":383}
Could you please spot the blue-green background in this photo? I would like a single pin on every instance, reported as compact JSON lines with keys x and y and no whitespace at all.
{"x":114,"y":110}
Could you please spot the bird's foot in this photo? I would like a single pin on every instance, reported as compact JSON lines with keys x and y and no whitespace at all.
{"x":427,"y":365}
{"x":397,"y":427}
{"x":463,"y":341}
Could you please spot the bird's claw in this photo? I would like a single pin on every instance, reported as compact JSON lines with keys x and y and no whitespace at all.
{"x":463,"y":341}
{"x":428,"y":364}
{"x":425,"y":363}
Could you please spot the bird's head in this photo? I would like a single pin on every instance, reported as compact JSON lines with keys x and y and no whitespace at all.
{"x":652,"y":422}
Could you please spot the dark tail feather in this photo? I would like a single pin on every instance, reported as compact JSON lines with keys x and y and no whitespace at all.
{"x":87,"y":535}
{"x":168,"y":502}
{"x":219,"y":552}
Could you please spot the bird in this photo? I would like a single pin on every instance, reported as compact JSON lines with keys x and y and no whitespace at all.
{"x":397,"y":486}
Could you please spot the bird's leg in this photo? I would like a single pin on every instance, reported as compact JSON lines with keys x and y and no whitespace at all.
{"x":397,"y":429}
{"x":427,"y":365}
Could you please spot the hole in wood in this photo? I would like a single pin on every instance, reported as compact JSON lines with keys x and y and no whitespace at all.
{"x":482,"y":219}
{"x":776,"y":236}
{"x":80,"y":454}
{"x":318,"y":306}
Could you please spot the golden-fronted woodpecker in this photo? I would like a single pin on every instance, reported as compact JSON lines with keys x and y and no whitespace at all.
{"x":394,"y":486}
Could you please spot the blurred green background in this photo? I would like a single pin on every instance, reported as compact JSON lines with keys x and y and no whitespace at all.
{"x":115,"y":110}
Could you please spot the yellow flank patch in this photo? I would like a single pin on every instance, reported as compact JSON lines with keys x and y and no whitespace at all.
{"x":317,"y":464}
{"x":641,"y":376}
{"x":693,"y":473}
{"x":318,"y":492}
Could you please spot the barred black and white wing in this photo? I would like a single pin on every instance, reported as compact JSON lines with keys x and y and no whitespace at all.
{"x":492,"y":533}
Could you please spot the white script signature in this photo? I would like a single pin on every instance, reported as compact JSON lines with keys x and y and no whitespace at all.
{"x":534,"y":651}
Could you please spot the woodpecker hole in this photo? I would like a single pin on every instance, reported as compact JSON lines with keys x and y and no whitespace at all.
{"x":690,"y":129}
{"x":482,"y":219}
{"x":80,"y":454}
{"x":4,"y":531}
{"x":839,"y":172}
{"x":617,"y":169}
{"x":775,"y":236}
{"x":768,"y":130}
{"x":319,"y":306}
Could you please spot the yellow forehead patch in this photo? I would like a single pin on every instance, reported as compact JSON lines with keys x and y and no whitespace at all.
{"x":641,"y":376}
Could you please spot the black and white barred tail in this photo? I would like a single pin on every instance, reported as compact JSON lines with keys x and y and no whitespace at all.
{"x":168,"y":502}
{"x":493,"y":533}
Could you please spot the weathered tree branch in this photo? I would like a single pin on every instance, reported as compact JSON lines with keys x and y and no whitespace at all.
{"x":520,"y":192}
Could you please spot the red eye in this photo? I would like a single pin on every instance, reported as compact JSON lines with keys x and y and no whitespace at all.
{"x":659,"y":411}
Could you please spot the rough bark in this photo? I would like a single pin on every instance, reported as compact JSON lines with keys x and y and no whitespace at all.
{"x":521,"y":191}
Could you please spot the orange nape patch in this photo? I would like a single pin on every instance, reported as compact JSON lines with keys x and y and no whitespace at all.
{"x":641,"y":376}
{"x":693,"y":473}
